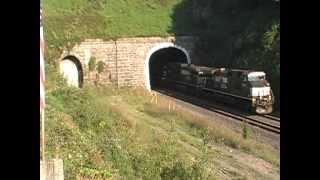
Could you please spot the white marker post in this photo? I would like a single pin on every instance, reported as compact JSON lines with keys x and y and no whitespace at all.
{"x":42,"y":137}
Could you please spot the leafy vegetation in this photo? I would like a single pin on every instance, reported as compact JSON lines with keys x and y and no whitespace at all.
{"x":236,"y":34}
{"x":92,"y":64}
{"x":105,"y":132}
{"x":96,"y":140}
{"x":100,"y":67}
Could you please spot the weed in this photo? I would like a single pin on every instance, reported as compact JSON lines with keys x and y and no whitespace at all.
{"x":100,"y":67}
{"x":92,"y":64}
{"x":245,"y":130}
{"x":97,"y":129}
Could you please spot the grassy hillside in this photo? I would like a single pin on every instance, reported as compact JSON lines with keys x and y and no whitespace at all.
{"x":70,"y":21}
{"x":107,"y":132}
{"x":114,"y":133}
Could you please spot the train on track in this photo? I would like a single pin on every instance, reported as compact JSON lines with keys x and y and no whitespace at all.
{"x":244,"y":88}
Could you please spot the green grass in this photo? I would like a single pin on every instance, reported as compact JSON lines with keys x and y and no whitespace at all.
{"x":108,"y":132}
{"x":67,"y":22}
{"x":95,"y":136}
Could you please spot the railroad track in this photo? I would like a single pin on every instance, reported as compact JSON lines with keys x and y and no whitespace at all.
{"x":274,"y":118}
{"x":262,"y":122}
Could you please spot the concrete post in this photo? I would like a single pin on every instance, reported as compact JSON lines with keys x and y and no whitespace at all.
{"x":51,"y":169}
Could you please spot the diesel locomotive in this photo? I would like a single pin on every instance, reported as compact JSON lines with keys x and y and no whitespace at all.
{"x":245,"y":88}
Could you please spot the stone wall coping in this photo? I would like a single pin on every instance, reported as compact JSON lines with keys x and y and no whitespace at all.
{"x":142,"y":39}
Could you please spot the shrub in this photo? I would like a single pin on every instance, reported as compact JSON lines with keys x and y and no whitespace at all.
{"x":100,"y":67}
{"x":245,"y":130}
{"x":92,"y":64}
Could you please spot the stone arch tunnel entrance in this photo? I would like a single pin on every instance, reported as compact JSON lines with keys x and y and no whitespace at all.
{"x":71,"y":70}
{"x":161,"y":57}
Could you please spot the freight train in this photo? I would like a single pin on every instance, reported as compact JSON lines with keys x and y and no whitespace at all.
{"x":245,"y":88}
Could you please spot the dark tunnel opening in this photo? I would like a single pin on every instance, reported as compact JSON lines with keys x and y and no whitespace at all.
{"x":160,"y":58}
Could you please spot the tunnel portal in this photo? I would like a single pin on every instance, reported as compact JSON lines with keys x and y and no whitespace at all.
{"x":161,"y":57}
